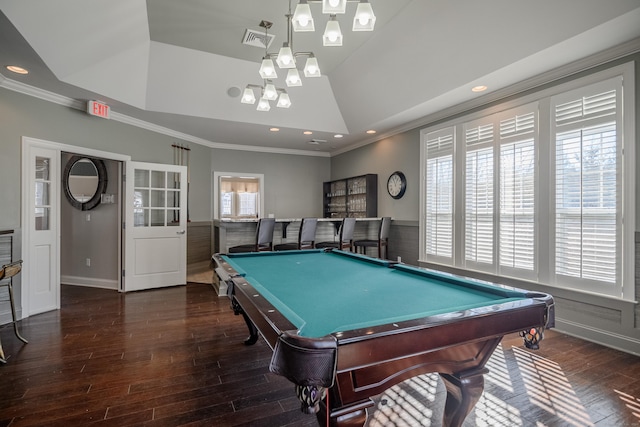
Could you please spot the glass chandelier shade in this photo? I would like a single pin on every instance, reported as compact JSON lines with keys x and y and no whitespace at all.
{"x":302,"y":19}
{"x":267,"y":69}
{"x":293,"y":78}
{"x":364,"y":19}
{"x":270,"y":93}
{"x":334,"y":6}
{"x":263,"y":105}
{"x":311,"y":68}
{"x":284,"y":101}
{"x":285,"y":57}
{"x":248,"y":97}
{"x":332,"y":34}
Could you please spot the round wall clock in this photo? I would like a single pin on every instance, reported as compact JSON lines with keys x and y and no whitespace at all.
{"x":396,"y":184}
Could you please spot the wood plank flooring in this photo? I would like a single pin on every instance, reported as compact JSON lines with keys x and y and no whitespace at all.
{"x":174,"y":357}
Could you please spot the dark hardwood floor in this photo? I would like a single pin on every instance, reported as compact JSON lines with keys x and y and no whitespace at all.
{"x":174,"y":357}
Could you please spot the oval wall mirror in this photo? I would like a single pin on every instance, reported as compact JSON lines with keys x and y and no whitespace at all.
{"x":84,"y":181}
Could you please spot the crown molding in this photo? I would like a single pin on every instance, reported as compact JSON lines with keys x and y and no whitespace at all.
{"x":40,"y":93}
{"x":132,"y":121}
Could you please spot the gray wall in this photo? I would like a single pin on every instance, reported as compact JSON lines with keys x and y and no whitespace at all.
{"x":604,"y":320}
{"x":293,"y":184}
{"x":398,"y":153}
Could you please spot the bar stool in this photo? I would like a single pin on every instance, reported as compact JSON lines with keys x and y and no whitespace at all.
{"x":345,"y":240}
{"x":264,"y":238}
{"x":382,"y":242}
{"x":306,"y":236}
{"x":7,"y":272}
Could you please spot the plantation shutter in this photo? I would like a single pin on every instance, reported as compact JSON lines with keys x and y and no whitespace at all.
{"x":439,"y":195}
{"x":517,"y":224}
{"x":479,"y":194}
{"x":588,"y":185}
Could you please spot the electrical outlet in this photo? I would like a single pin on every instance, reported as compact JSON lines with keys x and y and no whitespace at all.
{"x":88,"y":262}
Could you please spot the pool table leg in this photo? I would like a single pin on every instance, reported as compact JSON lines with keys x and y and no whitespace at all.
{"x":463,"y":392}
{"x":253,"y":331}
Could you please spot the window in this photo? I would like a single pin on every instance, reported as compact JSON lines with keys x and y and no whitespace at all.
{"x":226,"y":203}
{"x":238,"y":195}
{"x":248,"y":204}
{"x":588,"y":162}
{"x":502,"y":197}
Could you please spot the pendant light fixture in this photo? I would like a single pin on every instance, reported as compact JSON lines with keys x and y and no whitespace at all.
{"x":332,"y":34}
{"x":302,"y":20}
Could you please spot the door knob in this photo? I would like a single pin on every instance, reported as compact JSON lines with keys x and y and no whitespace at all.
{"x":180,"y":232}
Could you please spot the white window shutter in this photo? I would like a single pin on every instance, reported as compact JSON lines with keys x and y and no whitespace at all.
{"x":588,"y":187}
{"x":439,"y":195}
{"x":479,"y":195}
{"x":516,"y":239}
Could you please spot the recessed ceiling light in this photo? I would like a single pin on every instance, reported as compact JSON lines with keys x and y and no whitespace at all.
{"x":17,"y":70}
{"x":308,"y":132}
{"x":338,"y":136}
{"x":480,"y":88}
{"x":274,"y":129}
{"x":371,"y":131}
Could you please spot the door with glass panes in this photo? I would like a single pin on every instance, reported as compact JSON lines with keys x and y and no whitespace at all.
{"x":155,"y":226}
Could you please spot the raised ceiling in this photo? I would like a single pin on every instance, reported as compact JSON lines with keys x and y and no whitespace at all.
{"x":171,"y":64}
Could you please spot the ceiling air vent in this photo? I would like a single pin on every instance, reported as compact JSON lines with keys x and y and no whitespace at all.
{"x":257,"y":39}
{"x":317,"y":141}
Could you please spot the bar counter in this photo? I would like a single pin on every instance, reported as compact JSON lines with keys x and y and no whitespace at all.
{"x":233,"y":232}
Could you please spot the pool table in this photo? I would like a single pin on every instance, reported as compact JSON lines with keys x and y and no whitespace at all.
{"x":345,"y":327}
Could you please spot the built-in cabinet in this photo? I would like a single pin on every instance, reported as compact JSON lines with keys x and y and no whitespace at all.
{"x":355,"y":197}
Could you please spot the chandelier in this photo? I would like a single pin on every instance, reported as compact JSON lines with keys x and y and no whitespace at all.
{"x":302,"y":20}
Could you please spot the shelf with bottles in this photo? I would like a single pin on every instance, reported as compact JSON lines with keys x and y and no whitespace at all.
{"x":351,"y":197}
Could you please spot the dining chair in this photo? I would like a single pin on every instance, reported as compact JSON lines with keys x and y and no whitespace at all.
{"x":264,"y":238}
{"x":345,"y":239}
{"x":382,"y":242}
{"x":306,"y":236}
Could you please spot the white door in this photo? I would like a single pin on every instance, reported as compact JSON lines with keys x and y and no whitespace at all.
{"x":41,"y":273}
{"x":155,"y":226}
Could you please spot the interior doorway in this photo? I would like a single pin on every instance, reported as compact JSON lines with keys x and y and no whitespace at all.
{"x":153,"y":202}
{"x":42,"y":189}
{"x":90,"y":233}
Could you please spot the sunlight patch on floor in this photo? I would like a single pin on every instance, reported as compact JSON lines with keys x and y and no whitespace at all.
{"x":549,"y":389}
{"x":404,"y":404}
{"x":631,"y":402}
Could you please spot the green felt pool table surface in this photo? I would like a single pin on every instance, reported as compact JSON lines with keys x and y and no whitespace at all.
{"x":323,"y":293}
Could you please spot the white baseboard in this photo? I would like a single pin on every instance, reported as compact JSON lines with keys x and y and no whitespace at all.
{"x":599,"y":336}
{"x":89,"y":282}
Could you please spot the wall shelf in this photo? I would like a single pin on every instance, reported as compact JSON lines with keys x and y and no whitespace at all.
{"x":355,"y":197}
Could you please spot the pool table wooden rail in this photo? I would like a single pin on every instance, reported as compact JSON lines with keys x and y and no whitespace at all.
{"x":457,"y":345}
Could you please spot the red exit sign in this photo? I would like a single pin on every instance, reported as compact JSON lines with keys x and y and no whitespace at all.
{"x":96,"y":108}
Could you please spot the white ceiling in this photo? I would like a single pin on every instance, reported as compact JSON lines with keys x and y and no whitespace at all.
{"x":171,"y":63}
